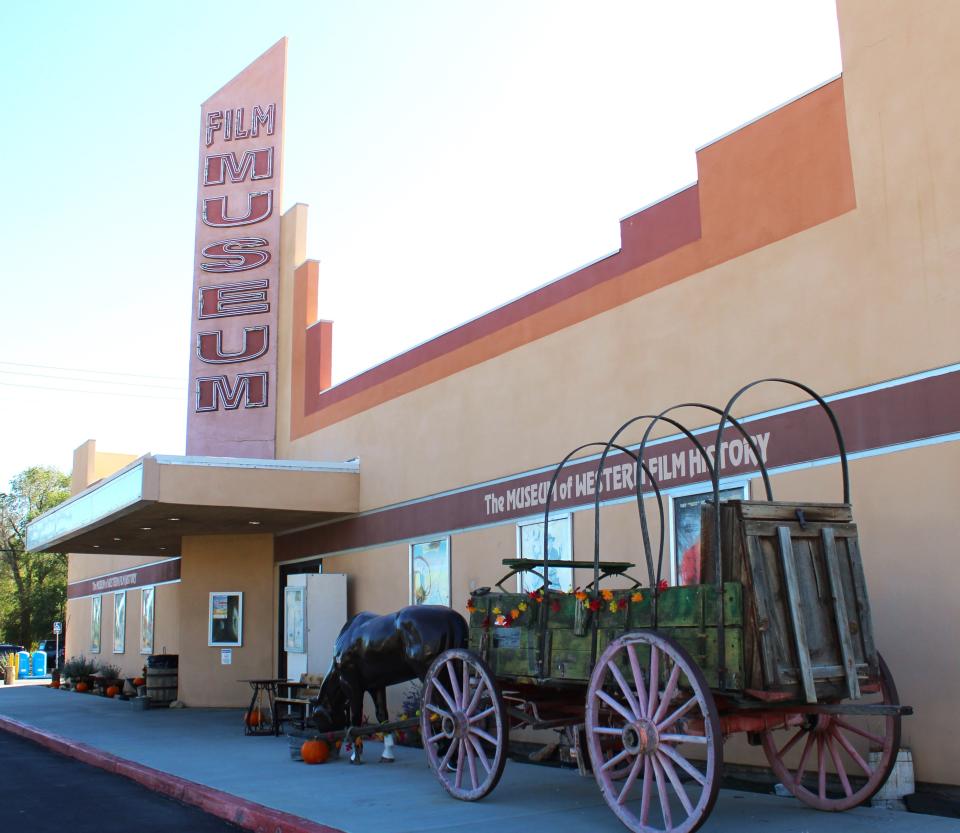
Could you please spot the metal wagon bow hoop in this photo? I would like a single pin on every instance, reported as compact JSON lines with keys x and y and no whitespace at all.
{"x":707,"y":461}
{"x":715,"y":478}
{"x":606,"y":446}
{"x":648,"y":554}
{"x":725,"y":416}
{"x":546,"y":515}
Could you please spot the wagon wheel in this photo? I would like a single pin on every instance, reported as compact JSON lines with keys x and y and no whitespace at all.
{"x":649,"y":708}
{"x":464,"y":724}
{"x":840,"y":745}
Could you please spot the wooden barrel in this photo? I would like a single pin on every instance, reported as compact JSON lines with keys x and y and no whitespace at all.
{"x":161,"y":686}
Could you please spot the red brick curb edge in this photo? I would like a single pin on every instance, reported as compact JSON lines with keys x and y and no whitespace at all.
{"x":231,"y":808}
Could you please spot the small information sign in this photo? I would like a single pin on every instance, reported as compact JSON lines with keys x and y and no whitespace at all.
{"x":57,"y":628}
{"x":226,"y":656}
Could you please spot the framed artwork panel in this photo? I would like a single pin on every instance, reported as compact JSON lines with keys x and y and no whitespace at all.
{"x":225,"y":618}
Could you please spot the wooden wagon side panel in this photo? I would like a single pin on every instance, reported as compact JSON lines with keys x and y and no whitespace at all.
{"x":688,"y":614}
{"x":808,"y":626}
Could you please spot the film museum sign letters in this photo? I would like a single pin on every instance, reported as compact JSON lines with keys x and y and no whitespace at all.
{"x":670,"y":466}
{"x":236,"y":264}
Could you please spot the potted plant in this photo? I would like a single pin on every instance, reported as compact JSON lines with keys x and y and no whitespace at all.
{"x":76,"y":670}
{"x":106,"y":676}
{"x":410,"y":707}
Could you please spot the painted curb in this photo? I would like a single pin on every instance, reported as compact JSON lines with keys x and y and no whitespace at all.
{"x":239,"y":811}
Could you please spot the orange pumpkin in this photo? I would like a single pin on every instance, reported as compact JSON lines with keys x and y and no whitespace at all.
{"x":55,"y":684}
{"x":139,"y":681}
{"x":315,"y":752}
{"x":253,"y":718}
{"x":81,"y":687}
{"x":112,"y":691}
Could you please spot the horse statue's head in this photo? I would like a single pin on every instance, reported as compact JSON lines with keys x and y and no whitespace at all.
{"x":330,"y":709}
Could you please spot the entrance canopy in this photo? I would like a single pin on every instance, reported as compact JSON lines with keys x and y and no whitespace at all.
{"x":145,"y":508}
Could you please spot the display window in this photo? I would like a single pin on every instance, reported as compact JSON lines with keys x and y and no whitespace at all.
{"x":96,"y":605}
{"x":146,"y":619}
{"x":119,"y":621}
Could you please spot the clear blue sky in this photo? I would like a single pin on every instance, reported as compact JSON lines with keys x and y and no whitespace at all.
{"x":454,"y":154}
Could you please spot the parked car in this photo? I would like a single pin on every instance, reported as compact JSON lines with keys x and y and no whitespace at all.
{"x":9,"y":648}
{"x":49,"y":647}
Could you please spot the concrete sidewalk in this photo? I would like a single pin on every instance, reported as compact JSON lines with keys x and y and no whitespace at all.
{"x":207,"y":746}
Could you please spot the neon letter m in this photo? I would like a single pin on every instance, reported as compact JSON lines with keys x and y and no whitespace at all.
{"x":255,"y":164}
{"x":214,"y":390}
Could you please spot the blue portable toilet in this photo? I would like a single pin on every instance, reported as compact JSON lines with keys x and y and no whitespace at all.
{"x":23,"y":665}
{"x":38,"y":664}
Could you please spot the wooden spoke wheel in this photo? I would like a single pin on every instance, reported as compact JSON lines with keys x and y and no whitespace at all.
{"x":464,"y":724}
{"x":653,"y":734}
{"x":837,"y":761}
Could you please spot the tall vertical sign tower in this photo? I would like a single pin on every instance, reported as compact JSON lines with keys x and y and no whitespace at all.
{"x":233,"y":360}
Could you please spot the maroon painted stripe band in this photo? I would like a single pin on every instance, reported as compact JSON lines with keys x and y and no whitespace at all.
{"x":143,"y":575}
{"x":915,"y":410}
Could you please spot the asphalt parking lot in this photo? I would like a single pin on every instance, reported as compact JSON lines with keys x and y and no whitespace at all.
{"x":44,"y":792}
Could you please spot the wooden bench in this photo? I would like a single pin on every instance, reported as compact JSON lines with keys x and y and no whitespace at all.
{"x":294,"y":707}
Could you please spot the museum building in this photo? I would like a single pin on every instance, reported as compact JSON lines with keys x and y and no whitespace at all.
{"x":819,"y":243}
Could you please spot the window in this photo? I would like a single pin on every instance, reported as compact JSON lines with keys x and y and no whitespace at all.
{"x":146,"y":620}
{"x":119,"y":621}
{"x":685,"y":540}
{"x":430,"y":572}
{"x":559,"y":548}
{"x":95,"y":607}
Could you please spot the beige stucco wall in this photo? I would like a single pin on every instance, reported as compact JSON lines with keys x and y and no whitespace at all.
{"x":293,"y":252}
{"x":166,"y":624}
{"x":77,"y":628}
{"x":376,"y":579}
{"x":215,"y":563}
{"x":90,"y":465}
{"x":331,"y":491}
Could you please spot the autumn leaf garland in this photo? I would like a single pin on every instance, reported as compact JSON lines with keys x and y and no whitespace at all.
{"x":593,"y":603}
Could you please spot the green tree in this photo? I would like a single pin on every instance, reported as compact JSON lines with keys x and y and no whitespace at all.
{"x":33,"y":586}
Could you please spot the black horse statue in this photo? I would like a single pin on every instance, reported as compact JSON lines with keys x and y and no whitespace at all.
{"x":373,"y":652}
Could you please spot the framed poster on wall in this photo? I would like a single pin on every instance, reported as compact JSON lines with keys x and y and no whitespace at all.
{"x":293,"y":618}
{"x":146,"y":620}
{"x":95,"y":607}
{"x":225,"y":616}
{"x":430,"y":572}
{"x":686,"y":510}
{"x":119,"y":621}
{"x":559,"y":548}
